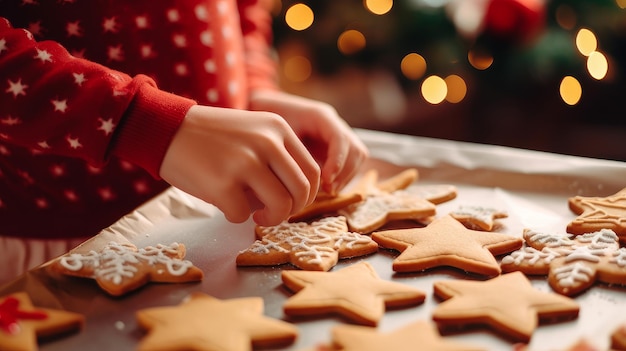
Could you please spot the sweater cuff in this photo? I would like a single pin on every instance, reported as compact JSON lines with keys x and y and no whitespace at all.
{"x":145,"y":133}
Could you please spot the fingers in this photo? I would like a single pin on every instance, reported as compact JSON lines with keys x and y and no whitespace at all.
{"x":343,"y":161}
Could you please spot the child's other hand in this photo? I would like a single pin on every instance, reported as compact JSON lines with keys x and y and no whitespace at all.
{"x":328,"y":137}
{"x":242,"y":162}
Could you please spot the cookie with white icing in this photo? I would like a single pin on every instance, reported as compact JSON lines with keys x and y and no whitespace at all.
{"x":121,"y":268}
{"x":478,"y":217}
{"x":315,"y":246}
{"x":386,"y":201}
{"x":573,"y":263}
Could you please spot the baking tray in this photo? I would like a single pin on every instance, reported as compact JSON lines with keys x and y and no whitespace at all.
{"x":532,"y":187}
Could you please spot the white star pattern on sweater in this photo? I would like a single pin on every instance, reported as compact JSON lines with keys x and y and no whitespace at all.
{"x":16,"y":88}
{"x":194,"y":50}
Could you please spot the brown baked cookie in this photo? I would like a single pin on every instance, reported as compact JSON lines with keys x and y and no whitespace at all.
{"x":508,"y":304}
{"x":573,"y":264}
{"x":447,"y":242}
{"x":204,"y":323}
{"x":596,"y":213}
{"x":618,"y":338}
{"x":420,"y":335}
{"x":355,"y":292}
{"x":22,"y":323}
{"x":435,"y":193}
{"x":478,"y":217}
{"x":316,"y":246}
{"x":325,"y":204}
{"x":121,"y":268}
{"x":385,"y":201}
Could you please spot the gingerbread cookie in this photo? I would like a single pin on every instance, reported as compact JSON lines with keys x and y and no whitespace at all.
{"x":385,"y":201}
{"x":355,"y":292}
{"x":316,"y":246}
{"x":420,"y":335}
{"x":204,"y":323}
{"x":618,"y":338}
{"x":507,"y":303}
{"x":435,"y":193}
{"x":121,"y":268}
{"x":596,"y":213}
{"x":478,"y":217}
{"x":325,"y":204}
{"x":573,"y":264}
{"x":22,"y":323}
{"x":447,"y":242}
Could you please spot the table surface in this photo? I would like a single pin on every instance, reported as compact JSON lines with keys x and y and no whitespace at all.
{"x":532,"y":187}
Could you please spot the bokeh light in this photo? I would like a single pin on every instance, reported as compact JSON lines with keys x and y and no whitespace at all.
{"x":378,"y":7}
{"x":621,"y":4}
{"x":597,"y":65}
{"x":434,"y":89}
{"x":570,"y":90}
{"x":299,"y":17}
{"x":297,"y":68}
{"x":413,"y":66}
{"x":586,"y":41}
{"x":457,"y":89}
{"x":479,"y":60}
{"x":350,"y":42}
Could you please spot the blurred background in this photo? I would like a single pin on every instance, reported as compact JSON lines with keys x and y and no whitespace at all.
{"x":545,"y":75}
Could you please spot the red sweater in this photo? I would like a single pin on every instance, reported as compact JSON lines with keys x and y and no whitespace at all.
{"x":83,"y":126}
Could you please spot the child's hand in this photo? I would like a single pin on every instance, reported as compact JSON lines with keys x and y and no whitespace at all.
{"x":339,"y":151}
{"x":242,"y":162}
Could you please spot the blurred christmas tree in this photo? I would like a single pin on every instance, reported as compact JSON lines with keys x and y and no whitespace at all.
{"x":517,"y":62}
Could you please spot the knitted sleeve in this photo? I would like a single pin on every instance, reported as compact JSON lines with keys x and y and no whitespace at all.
{"x":256,"y":26}
{"x":52,"y":102}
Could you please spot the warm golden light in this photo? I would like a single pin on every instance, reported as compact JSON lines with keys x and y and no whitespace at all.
{"x":570,"y":90}
{"x":456,"y":88}
{"x":586,"y":41}
{"x":434,"y":89}
{"x":378,"y":7}
{"x":597,"y":65}
{"x":621,"y":4}
{"x":413,"y":66}
{"x":479,"y":60}
{"x":299,"y":17}
{"x":297,"y":68}
{"x":350,"y":41}
{"x":566,"y":17}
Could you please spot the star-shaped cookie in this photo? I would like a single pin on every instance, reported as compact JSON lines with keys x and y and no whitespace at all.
{"x":420,"y":335}
{"x":573,"y":264}
{"x":326,"y":204}
{"x":596,"y":213}
{"x":121,"y":268}
{"x":205,"y":323}
{"x":22,"y":323}
{"x":315,"y":246}
{"x":478,"y":217}
{"x":509,"y":304}
{"x":355,"y":292}
{"x":385,"y":201}
{"x":447,"y":242}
